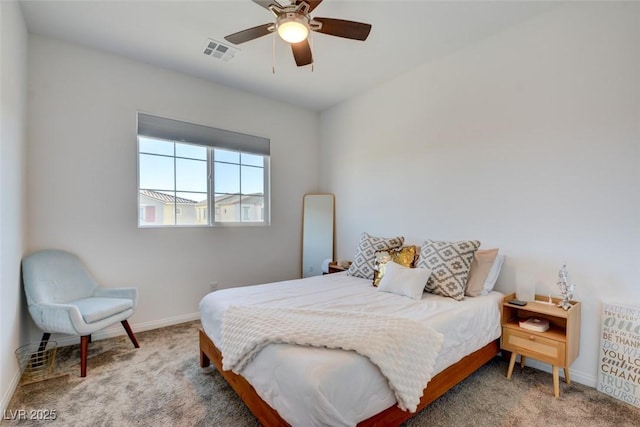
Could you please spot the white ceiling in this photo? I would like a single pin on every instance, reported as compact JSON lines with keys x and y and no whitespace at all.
{"x":172,"y":34}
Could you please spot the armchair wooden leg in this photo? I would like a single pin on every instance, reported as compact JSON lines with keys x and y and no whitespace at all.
{"x":84,"y":349}
{"x":132,"y":337}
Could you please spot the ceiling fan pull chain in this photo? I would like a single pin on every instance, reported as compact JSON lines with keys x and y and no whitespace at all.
{"x":273,"y":53}
{"x":311,"y":47}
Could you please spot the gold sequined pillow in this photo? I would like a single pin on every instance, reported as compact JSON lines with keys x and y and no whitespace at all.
{"x":405,"y":256}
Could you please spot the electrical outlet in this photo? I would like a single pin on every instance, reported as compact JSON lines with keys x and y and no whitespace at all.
{"x":213,"y":286}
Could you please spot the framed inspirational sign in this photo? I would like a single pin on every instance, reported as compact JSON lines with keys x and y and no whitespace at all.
{"x":619,"y":361}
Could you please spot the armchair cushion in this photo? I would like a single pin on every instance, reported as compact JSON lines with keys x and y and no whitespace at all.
{"x":67,"y":319}
{"x":128,"y":293}
{"x":94,"y":309}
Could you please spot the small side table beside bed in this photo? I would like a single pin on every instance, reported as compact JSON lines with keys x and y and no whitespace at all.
{"x":559,"y":345}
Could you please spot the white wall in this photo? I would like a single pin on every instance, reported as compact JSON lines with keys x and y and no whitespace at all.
{"x":528,"y":141}
{"x":82,"y":178}
{"x":13,"y":102}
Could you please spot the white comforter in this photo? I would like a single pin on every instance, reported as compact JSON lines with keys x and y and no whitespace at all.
{"x":403,"y":349}
{"x":318,"y":386}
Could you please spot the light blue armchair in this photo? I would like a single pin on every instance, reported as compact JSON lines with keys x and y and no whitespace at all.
{"x":64,"y":298}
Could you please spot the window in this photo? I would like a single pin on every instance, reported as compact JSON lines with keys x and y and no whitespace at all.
{"x":187,"y":171}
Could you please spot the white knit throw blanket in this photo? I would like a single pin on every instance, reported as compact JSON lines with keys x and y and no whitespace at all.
{"x":404,"y":350}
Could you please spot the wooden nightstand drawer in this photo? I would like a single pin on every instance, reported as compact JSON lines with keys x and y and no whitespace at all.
{"x":534,"y":345}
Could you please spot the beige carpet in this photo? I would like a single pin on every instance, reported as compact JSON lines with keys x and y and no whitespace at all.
{"x":161,"y":384}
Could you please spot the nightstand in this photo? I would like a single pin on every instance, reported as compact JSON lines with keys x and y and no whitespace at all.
{"x":335,"y":268}
{"x":558,"y":346}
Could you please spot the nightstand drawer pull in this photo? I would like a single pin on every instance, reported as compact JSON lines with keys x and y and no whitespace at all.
{"x":532,"y":338}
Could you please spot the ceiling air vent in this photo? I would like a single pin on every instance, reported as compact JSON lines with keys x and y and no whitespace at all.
{"x":215,"y":49}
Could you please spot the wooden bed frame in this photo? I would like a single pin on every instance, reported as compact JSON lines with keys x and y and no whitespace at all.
{"x":392,"y":416}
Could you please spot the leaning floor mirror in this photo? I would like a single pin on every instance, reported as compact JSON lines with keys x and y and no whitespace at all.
{"x":318,"y":218}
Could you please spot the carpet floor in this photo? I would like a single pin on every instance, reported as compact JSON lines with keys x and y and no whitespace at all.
{"x":161,"y":384}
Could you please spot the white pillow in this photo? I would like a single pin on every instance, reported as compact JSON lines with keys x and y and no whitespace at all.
{"x":404,"y":281}
{"x":492,"y":277}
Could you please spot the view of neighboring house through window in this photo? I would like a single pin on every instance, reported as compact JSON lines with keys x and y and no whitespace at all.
{"x":186,"y":172}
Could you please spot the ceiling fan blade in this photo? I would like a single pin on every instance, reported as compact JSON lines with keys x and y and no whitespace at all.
{"x":249,"y":34}
{"x":342,"y":28}
{"x":302,"y":53}
{"x":312,"y":3}
{"x":266,"y":3}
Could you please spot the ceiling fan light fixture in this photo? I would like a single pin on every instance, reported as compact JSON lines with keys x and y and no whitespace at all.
{"x":293,"y":28}
{"x":294,"y":25}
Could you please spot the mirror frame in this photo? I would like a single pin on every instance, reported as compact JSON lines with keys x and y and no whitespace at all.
{"x":305,"y":222}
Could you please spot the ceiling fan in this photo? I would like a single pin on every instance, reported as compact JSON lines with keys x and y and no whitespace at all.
{"x":293,"y":24}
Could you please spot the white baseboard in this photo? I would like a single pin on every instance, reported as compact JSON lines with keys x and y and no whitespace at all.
{"x":577,"y":376}
{"x":13,"y":385}
{"x":155,"y":324}
{"x":117,"y":329}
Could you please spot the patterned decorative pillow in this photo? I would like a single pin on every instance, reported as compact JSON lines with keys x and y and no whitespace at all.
{"x":450,"y":263}
{"x":405,"y":256}
{"x":363,"y":262}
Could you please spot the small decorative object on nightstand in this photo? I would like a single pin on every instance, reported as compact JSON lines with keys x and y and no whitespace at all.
{"x":566,"y":288}
{"x":559,"y":345}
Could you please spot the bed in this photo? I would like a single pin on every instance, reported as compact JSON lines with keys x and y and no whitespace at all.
{"x":286,"y":384}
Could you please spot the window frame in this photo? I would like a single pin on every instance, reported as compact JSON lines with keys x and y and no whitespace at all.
{"x":158,"y":128}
